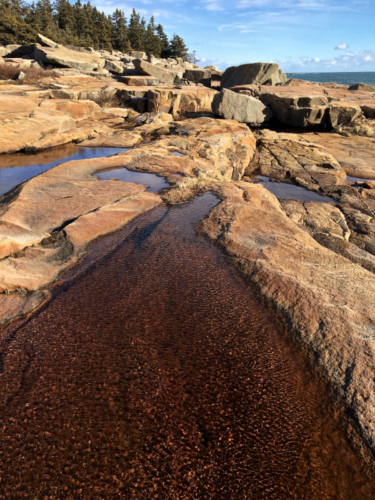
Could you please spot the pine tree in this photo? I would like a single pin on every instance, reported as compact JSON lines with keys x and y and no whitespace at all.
{"x":13,"y":27}
{"x":152,"y":44}
{"x":164,"y":43}
{"x":178,"y":48}
{"x":83,"y":25}
{"x":120,"y":36}
{"x":135,"y":36}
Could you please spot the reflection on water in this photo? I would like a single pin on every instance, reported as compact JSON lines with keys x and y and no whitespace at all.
{"x":357,"y":179}
{"x":285,"y":191}
{"x":18,"y":168}
{"x":155,"y":373}
{"x":155,"y":182}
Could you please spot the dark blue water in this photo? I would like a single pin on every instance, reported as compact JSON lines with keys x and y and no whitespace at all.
{"x":348,"y":78}
{"x":15,"y":169}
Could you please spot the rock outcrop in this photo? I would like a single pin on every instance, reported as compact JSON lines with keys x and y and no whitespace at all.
{"x":290,"y":157}
{"x":255,"y":73}
{"x":67,"y":58}
{"x":326,"y":299}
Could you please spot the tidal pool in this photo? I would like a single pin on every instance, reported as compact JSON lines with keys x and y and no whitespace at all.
{"x":17,"y":168}
{"x":285,"y":191}
{"x":154,"y":372}
{"x":154,"y":182}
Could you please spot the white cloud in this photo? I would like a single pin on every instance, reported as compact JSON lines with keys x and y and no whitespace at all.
{"x":342,"y":46}
{"x":213,"y":5}
{"x":363,"y":60}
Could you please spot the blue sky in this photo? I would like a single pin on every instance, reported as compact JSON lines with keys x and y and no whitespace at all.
{"x":300,"y":35}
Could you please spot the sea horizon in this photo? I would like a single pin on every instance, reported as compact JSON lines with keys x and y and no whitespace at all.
{"x":342,"y":77}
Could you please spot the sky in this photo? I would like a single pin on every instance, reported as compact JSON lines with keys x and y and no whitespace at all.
{"x":299,"y":35}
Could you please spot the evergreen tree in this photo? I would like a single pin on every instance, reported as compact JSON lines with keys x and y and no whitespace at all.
{"x":13,"y":27}
{"x":135,"y":36}
{"x":83,"y":25}
{"x":164,"y":43}
{"x":178,"y":48}
{"x":120,"y":35}
{"x":152,"y":44}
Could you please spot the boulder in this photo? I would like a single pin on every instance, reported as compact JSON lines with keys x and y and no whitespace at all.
{"x":363,"y":86}
{"x":296,"y":111}
{"x":137,"y":54}
{"x":342,"y":113}
{"x":254,"y":73}
{"x":114,"y":67}
{"x":67,"y":58}
{"x":243,"y":108}
{"x":197,"y":75}
{"x":127,"y":59}
{"x":369,"y":111}
{"x":3,"y":52}
{"x":46,"y":42}
{"x":15,"y":50}
{"x":161,"y":74}
{"x":139,"y":81}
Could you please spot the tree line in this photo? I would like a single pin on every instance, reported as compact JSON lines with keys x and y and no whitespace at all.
{"x":83,"y":25}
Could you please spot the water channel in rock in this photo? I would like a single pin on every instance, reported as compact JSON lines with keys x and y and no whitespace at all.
{"x":154,"y":372}
{"x":17,"y":168}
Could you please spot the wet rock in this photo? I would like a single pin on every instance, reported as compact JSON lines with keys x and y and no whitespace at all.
{"x":243,"y":108}
{"x":255,"y":73}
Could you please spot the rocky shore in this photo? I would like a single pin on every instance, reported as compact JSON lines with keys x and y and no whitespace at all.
{"x":202,"y":129}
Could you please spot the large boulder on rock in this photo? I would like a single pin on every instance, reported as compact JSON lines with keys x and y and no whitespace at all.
{"x":369,"y":110}
{"x":196,"y":75}
{"x":342,"y":113}
{"x":67,"y":58}
{"x":137,"y":54}
{"x":363,"y":86}
{"x":139,"y":81}
{"x":243,"y":108}
{"x":259,"y":73}
{"x":163,"y":75}
{"x":296,"y":111}
{"x":114,"y":67}
{"x":15,"y":50}
{"x":46,"y":42}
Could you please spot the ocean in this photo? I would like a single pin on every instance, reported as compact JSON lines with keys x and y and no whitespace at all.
{"x":349,"y":78}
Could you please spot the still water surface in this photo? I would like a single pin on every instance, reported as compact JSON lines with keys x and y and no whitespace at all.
{"x":17,"y":168}
{"x":155,"y":373}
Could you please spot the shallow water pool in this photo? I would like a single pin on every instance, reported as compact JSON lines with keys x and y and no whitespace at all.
{"x":19,"y":167}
